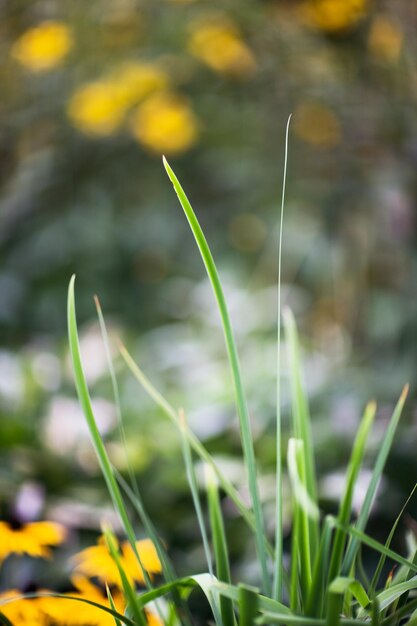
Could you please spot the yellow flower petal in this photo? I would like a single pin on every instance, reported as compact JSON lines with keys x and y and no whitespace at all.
{"x":217,"y":43}
{"x":32,"y":539}
{"x":165,"y":123}
{"x":333,"y":16}
{"x":43,"y":47}
{"x":96,"y":108}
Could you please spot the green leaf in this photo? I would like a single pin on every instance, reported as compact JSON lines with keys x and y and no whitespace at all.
{"x":242,"y":410}
{"x":376,"y":476}
{"x":220,"y":544}
{"x":352,"y":474}
{"x":248,"y":605}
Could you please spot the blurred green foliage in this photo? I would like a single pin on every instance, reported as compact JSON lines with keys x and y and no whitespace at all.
{"x":92,"y":95}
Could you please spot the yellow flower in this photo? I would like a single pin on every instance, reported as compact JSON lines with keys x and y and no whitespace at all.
{"x":43,"y":47}
{"x":385,"y":39}
{"x":96,"y":108}
{"x":96,"y":562}
{"x":69,"y":612}
{"x":165,"y":123}
{"x":134,"y":81}
{"x":32,"y":539}
{"x":22,"y":611}
{"x":217,"y":42}
{"x":333,"y":16}
{"x":316,"y":124}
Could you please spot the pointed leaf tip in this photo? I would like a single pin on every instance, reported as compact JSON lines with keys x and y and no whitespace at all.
{"x":404,"y":392}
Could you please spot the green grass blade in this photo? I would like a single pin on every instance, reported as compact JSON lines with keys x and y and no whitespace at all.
{"x":220,"y":544}
{"x":317,"y":590}
{"x":115,"y":386}
{"x":192,"y":481}
{"x":123,"y":618}
{"x":345,"y":509}
{"x":376,"y":476}
{"x":301,"y":423}
{"x":85,"y":401}
{"x":248,"y":605}
{"x":195,"y":443}
{"x":278,"y":569}
{"x":304,"y":510}
{"x":112,"y":606}
{"x":377,"y":546}
{"x":134,"y":603}
{"x":340,"y":585}
{"x":386,"y":597}
{"x":242,"y":410}
{"x":378,"y":570}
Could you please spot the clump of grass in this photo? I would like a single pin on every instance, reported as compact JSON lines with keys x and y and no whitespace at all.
{"x":323,"y":585}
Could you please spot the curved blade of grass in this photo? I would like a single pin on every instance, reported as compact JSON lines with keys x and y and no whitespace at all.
{"x":386,"y":597}
{"x":248,"y":605}
{"x":377,"y":546}
{"x":134,"y":603}
{"x":381,"y":562}
{"x":301,"y":425}
{"x":220,"y":544}
{"x":298,"y":620}
{"x":195,"y":443}
{"x":340,"y":585}
{"x":112,"y":606}
{"x":376,"y":476}
{"x":278,"y":569}
{"x":24,"y":596}
{"x":345,"y":509}
{"x":316,"y":595}
{"x":85,"y":401}
{"x":242,"y":410}
{"x":115,"y":387}
{"x":192,"y":481}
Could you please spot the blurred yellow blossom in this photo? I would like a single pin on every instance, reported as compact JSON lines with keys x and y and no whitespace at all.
{"x":165,"y":123}
{"x":217,"y":42}
{"x":134,"y":81}
{"x":385,"y":39}
{"x":96,"y":108}
{"x":333,"y":16}
{"x":96,"y":562}
{"x":33,"y":538}
{"x":43,"y":47}
{"x":316,"y":124}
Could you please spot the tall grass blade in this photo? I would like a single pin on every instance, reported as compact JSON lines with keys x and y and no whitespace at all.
{"x":195,"y":443}
{"x":134,"y":604}
{"x":381,"y":562}
{"x":244,"y":421}
{"x":192,"y":481}
{"x":85,"y":401}
{"x":112,"y":605}
{"x":352,"y":474}
{"x":376,"y":476}
{"x":301,"y":424}
{"x":248,"y":605}
{"x":220,"y":544}
{"x":278,"y":569}
{"x":316,"y":594}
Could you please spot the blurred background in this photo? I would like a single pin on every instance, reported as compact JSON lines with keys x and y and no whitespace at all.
{"x":92,"y":94}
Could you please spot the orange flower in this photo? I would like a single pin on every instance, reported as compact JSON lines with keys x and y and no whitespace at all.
{"x":33,"y":539}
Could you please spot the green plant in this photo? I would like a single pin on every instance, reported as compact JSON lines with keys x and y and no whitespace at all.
{"x":324,"y":584}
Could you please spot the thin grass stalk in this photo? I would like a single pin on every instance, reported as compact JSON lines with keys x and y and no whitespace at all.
{"x":85,"y":401}
{"x":221,"y":551}
{"x":248,"y":605}
{"x":376,"y":475}
{"x":192,"y":481}
{"x":242,"y":410}
{"x":345,"y":508}
{"x":195,"y":443}
{"x":278,"y":569}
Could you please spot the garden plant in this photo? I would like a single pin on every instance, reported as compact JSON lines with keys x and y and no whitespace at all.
{"x":321,"y":582}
